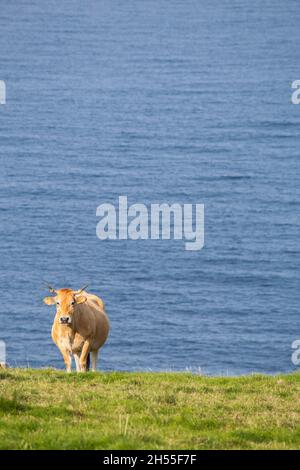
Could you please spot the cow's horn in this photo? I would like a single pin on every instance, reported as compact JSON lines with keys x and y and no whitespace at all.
{"x":51,"y":289}
{"x":81,"y":290}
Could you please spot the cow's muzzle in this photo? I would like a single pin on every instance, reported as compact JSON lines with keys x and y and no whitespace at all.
{"x":65,"y":320}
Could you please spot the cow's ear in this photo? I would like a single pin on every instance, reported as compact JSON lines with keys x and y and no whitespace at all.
{"x":80,"y":299}
{"x":49,"y":300}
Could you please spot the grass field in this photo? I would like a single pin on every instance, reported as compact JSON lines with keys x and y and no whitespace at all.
{"x":47,"y":409}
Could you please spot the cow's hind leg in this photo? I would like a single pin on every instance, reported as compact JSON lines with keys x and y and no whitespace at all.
{"x":88,"y":362}
{"x":84,"y":356}
{"x":94,"y":360}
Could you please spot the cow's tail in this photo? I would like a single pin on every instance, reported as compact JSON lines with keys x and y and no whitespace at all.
{"x":88,"y":361}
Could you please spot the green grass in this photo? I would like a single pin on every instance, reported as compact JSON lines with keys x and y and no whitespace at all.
{"x":47,"y":409}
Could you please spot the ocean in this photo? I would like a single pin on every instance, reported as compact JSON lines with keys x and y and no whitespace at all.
{"x":164,"y":102}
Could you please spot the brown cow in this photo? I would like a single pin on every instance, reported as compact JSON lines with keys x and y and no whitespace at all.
{"x":80,"y":326}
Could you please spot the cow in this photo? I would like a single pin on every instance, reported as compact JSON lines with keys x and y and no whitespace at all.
{"x":80,"y":326}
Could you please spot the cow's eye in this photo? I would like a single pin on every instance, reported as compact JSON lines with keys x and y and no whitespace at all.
{"x":73,"y":302}
{"x":57,"y":303}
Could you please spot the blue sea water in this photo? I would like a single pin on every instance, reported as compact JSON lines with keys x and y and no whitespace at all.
{"x":162,"y":101}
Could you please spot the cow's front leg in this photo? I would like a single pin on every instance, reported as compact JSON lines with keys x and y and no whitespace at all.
{"x":77,"y":362}
{"x":84,"y":355}
{"x":68,"y":360}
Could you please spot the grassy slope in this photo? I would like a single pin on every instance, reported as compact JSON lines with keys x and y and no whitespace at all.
{"x":50,"y":409}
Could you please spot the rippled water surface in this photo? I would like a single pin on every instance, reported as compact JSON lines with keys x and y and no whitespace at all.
{"x":165,"y":101}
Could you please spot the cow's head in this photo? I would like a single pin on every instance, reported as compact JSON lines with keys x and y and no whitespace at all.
{"x":66,"y":301}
